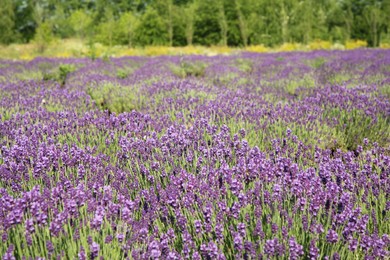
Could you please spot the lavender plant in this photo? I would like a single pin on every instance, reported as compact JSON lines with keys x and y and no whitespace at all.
{"x":128,"y":160}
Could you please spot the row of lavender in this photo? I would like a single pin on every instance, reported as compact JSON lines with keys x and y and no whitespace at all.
{"x":272,"y":156}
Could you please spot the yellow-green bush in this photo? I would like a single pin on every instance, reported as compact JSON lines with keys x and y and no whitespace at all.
{"x":257,"y":48}
{"x":116,"y":98}
{"x":320,"y":45}
{"x":355,"y":44}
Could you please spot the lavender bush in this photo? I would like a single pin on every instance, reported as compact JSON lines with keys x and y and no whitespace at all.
{"x":252,"y":156}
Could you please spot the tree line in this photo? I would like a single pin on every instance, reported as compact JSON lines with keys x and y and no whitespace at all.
{"x":195,"y":22}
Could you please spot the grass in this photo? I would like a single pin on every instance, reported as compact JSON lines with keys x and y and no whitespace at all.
{"x":354,"y":126}
{"x":188,"y":69}
{"x":267,"y":132}
{"x":116,"y":98}
{"x":245,"y":65}
{"x":59,"y":74}
{"x":66,"y":48}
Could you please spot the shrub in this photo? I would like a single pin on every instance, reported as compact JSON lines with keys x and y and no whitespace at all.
{"x":257,"y":48}
{"x":354,"y":126}
{"x":245,"y":65}
{"x":123,"y":73}
{"x":60,"y":74}
{"x":320,"y":45}
{"x":116,"y":98}
{"x":43,"y":36}
{"x":354,"y":44}
{"x":187,"y":69}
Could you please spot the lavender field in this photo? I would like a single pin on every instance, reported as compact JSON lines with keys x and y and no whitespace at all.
{"x":248,"y":156}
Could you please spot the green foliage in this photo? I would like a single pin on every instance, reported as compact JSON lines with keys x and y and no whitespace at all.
{"x":311,"y":133}
{"x":61,"y":25}
{"x":126,"y":27}
{"x":305,"y":82}
{"x":25,"y":25}
{"x":43,"y":36}
{"x":29,"y":75}
{"x":318,"y":62}
{"x":7,"y":22}
{"x":152,"y":29}
{"x":106,"y":30}
{"x":188,"y":69}
{"x":385,"y":90}
{"x":354,"y":126}
{"x":245,"y":65}
{"x":60,"y":74}
{"x":116,"y":98}
{"x":123,"y":73}
{"x":207,"y":25}
{"x":201,"y":22}
{"x":80,"y":22}
{"x":188,"y":19}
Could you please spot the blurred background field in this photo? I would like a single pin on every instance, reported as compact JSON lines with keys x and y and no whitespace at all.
{"x":102,"y":28}
{"x":75,"y":48}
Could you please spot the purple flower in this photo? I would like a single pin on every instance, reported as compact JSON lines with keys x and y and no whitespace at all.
{"x":49,"y":246}
{"x":4,"y":237}
{"x":29,"y":239}
{"x":288,"y":132}
{"x":204,"y":250}
{"x":296,"y":250}
{"x":238,"y":242}
{"x":120,"y":237}
{"x":242,"y":132}
{"x":154,"y":248}
{"x":241,"y":229}
{"x":313,"y":251}
{"x":336,"y":256}
{"x":353,"y":244}
{"x":213,"y":250}
{"x":198,"y":226}
{"x":29,"y":224}
{"x":94,"y":248}
{"x":219,"y":231}
{"x":196,"y":256}
{"x":9,"y":255}
{"x":172,"y":256}
{"x":108,"y":239}
{"x":332,"y":236}
{"x":81,"y":254}
{"x":270,"y":247}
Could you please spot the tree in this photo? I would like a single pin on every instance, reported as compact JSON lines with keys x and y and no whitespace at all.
{"x":386,"y":13}
{"x":348,"y":18}
{"x":339,"y":20}
{"x":320,"y":29}
{"x":7,"y":22}
{"x":128,"y":24}
{"x":369,"y":20}
{"x":207,"y":27}
{"x":80,"y":22}
{"x":306,"y":14}
{"x":107,"y":28}
{"x":61,"y":25}
{"x":284,"y":19}
{"x":271,"y":27}
{"x":43,"y":36}
{"x":152,"y":30}
{"x":165,"y":9}
{"x":170,"y":21}
{"x":222,"y":21}
{"x":374,"y":19}
{"x":242,"y":22}
{"x":189,"y":20}
{"x":204,"y":22}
